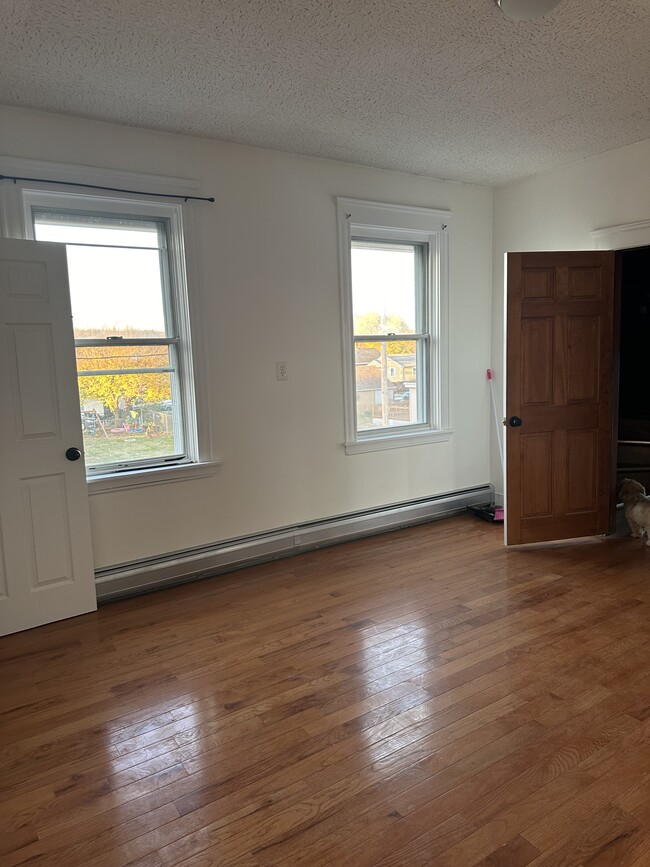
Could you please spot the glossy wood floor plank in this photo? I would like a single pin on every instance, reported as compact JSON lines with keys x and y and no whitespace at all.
{"x":426,"y":697}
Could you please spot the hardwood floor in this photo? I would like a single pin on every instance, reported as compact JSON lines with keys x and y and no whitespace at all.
{"x":421,"y":698}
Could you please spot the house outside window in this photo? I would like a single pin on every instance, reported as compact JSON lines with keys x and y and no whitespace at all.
{"x":393,"y":264}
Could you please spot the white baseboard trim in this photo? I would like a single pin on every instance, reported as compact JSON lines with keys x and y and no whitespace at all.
{"x":181,"y":566}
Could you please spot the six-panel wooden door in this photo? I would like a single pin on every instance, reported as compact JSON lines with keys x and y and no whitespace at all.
{"x":558,"y":395}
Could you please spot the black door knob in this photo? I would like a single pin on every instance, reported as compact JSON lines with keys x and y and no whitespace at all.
{"x":515,"y":421}
{"x":73,"y":454}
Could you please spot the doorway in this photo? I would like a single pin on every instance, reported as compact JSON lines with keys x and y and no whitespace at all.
{"x":577,"y":407}
{"x":633,"y":411}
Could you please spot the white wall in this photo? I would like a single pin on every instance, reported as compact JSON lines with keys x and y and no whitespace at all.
{"x":270,"y":291}
{"x":558,"y":210}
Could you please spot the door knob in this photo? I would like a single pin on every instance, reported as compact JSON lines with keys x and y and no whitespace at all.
{"x":73,"y":454}
{"x":515,"y":421}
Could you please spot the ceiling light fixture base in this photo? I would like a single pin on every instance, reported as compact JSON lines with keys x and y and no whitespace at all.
{"x":526,"y":10}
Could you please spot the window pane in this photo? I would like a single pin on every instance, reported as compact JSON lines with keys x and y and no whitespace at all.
{"x":384,"y":287}
{"x":114,"y":290}
{"x":387,"y":384}
{"x":117,"y":357}
{"x":128,"y":417}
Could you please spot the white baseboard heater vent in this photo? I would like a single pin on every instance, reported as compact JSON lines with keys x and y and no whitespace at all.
{"x":181,"y":566}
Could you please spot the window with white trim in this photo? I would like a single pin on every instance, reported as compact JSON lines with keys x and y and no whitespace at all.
{"x":128,"y":292}
{"x":393,"y":263}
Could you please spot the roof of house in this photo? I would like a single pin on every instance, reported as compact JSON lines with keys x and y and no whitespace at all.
{"x":400,"y":359}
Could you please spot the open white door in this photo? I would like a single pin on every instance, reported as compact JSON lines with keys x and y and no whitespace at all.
{"x":46,"y":563}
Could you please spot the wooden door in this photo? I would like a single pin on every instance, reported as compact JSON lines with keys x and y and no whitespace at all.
{"x":560,"y":314}
{"x":46,"y":563}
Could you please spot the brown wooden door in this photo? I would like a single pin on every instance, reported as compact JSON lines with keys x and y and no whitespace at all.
{"x":560,"y":314}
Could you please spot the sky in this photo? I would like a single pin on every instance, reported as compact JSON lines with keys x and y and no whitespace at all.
{"x":114,"y":287}
{"x":383,"y":281}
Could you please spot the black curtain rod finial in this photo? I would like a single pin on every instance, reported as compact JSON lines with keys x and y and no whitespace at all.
{"x":15,"y":179}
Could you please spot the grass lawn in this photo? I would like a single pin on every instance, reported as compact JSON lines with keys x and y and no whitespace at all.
{"x":126,"y":447}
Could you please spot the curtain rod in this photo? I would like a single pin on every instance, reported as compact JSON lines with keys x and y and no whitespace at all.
{"x":108,"y":189}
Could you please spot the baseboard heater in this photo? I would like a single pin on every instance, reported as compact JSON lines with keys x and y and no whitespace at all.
{"x":180,"y":566}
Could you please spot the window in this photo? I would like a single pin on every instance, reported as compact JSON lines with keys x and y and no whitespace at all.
{"x":127,"y":284}
{"x":393,"y":281}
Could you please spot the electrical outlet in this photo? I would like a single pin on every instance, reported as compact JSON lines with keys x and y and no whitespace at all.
{"x":281,"y":371}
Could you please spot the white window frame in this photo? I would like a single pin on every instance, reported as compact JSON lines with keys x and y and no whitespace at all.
{"x":361,"y":220}
{"x":17,"y":202}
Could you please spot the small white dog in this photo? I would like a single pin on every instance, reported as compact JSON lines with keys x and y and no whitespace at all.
{"x":637,"y":508}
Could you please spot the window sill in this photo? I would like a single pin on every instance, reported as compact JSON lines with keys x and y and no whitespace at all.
{"x":397,"y":442}
{"x":155,"y":476}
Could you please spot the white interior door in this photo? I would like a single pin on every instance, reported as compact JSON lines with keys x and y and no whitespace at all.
{"x":46,"y":563}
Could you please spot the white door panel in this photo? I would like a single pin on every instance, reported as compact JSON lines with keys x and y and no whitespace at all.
{"x":46,"y":564}
{"x":33,"y":383}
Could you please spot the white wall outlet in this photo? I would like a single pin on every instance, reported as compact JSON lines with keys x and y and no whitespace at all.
{"x":281,"y":373}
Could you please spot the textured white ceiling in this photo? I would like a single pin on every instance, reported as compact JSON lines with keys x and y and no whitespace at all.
{"x":450,"y":89}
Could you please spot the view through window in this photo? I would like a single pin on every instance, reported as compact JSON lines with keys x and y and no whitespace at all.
{"x":125,"y":336}
{"x":390,"y":340}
